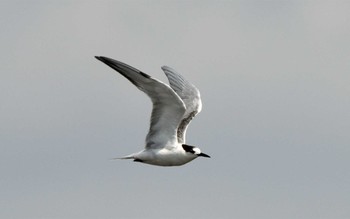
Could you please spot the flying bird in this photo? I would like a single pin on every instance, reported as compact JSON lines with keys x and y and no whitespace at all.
{"x":174,"y":107}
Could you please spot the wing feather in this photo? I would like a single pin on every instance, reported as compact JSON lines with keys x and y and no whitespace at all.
{"x":168,"y":107}
{"x":190,"y":96}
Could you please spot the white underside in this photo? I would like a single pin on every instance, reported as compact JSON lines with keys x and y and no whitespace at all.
{"x":163,"y":157}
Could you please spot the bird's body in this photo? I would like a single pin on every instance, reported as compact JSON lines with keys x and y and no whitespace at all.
{"x":174,"y":107}
{"x":163,"y":157}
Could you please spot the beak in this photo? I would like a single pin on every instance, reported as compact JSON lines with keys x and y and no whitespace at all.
{"x":203,"y":155}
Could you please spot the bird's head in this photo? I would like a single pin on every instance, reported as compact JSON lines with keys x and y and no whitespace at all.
{"x":194,"y":150}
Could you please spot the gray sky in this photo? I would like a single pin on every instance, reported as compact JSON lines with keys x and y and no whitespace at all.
{"x":274,"y":78}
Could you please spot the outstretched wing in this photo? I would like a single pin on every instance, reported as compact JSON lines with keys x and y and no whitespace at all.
{"x":168,"y":108}
{"x":190,"y":96}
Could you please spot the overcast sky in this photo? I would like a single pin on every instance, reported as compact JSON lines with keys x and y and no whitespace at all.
{"x":274,"y":78}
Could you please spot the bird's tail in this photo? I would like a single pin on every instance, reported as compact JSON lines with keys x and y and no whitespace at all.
{"x":131,"y":156}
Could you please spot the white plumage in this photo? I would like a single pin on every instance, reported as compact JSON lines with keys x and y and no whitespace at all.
{"x":174,"y":107}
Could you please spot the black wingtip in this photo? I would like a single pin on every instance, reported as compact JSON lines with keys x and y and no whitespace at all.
{"x":104,"y":60}
{"x":99,"y":57}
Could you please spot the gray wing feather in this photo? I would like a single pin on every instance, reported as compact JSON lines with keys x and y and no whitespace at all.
{"x":168,"y":108}
{"x":190,"y":96}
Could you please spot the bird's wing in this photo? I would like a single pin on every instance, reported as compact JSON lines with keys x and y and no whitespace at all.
{"x":190,"y":96}
{"x":168,"y":108}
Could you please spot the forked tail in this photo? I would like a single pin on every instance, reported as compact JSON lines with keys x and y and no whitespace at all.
{"x":131,"y":156}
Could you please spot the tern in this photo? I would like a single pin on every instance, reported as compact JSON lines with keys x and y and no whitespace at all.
{"x":174,"y":107}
